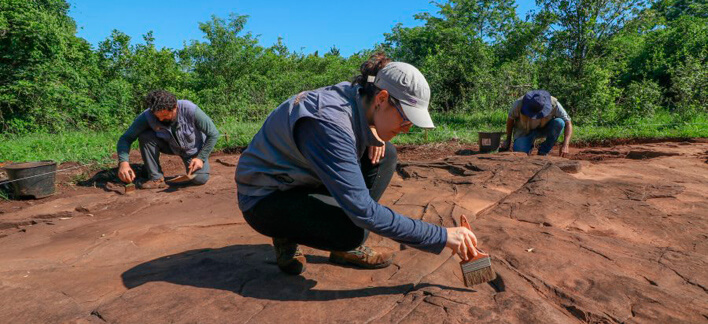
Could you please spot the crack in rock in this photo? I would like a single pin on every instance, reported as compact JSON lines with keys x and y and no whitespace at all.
{"x":593,"y":251}
{"x":559,"y":298}
{"x":257,"y":313}
{"x":687,"y":280}
{"x":405,"y":294}
{"x":427,"y":301}
{"x":98,"y":315}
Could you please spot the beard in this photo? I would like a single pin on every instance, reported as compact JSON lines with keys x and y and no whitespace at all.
{"x":166,"y":123}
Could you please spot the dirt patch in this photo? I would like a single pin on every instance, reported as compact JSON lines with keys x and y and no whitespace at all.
{"x":633,"y":154}
{"x":617,"y":240}
{"x":431,"y":151}
{"x":643,"y":154}
{"x":635,"y":141}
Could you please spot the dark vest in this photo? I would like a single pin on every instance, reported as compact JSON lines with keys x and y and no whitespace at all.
{"x":187,"y":140}
{"x":272,"y":161}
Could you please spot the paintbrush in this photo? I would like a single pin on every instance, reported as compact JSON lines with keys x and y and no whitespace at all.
{"x":478,"y":269}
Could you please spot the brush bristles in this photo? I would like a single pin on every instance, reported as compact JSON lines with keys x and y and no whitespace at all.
{"x":478,"y":272}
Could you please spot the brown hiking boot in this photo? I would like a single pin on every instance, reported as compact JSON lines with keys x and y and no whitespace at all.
{"x":153,"y":184}
{"x":363,"y":257}
{"x":289,"y":257}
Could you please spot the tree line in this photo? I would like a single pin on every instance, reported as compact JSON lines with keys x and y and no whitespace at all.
{"x":608,"y":62}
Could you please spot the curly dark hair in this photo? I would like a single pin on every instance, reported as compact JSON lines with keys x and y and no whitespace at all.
{"x":158,"y":100}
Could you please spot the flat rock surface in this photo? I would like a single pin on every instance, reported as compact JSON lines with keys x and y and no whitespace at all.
{"x":612,"y":235}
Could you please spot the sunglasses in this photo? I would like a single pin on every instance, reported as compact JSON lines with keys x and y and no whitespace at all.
{"x":397,"y":104}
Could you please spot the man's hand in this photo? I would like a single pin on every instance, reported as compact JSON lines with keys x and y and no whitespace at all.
{"x":505,"y":145}
{"x":125,"y":173}
{"x":509,"y":132}
{"x":195,"y":165}
{"x":563,"y":151}
{"x":461,"y":240}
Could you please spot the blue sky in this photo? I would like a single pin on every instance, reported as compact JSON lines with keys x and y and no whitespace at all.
{"x":305,"y":26}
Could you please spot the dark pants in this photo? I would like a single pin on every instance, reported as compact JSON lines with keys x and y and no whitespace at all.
{"x":150,"y":148}
{"x":303,"y":216}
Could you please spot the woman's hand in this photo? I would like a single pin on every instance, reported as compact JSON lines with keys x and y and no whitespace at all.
{"x":376,"y":153}
{"x":461,"y":240}
{"x":125,"y":173}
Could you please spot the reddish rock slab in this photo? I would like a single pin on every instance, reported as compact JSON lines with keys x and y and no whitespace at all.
{"x":615,"y":240}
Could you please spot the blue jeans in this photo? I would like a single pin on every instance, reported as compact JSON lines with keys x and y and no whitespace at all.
{"x":551,"y":132}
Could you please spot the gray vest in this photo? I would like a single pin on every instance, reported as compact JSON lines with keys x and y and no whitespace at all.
{"x":187,"y":140}
{"x":272,"y":161}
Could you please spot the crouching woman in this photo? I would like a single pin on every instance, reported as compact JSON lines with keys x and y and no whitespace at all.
{"x":315,"y":171}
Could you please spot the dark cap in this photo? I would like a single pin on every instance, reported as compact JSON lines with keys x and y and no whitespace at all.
{"x":536,"y":104}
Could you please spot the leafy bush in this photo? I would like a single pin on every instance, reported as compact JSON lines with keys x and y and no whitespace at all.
{"x":641,"y":98}
{"x":607,"y":62}
{"x":690,"y":84}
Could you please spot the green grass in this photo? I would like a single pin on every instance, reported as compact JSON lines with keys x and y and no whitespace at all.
{"x":464,"y":128}
{"x":459,"y":127}
{"x":235,"y":134}
{"x":70,"y":146}
{"x":662,"y":125}
{"x":99,"y":147}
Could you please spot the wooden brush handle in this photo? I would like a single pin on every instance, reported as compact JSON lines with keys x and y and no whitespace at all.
{"x":480,"y":254}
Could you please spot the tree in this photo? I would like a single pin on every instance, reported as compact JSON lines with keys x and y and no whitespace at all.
{"x":489,"y":20}
{"x":576,"y":66}
{"x":47,"y":74}
{"x":131,"y":71}
{"x":585,"y":26}
{"x":675,"y":9}
{"x":456,"y":51}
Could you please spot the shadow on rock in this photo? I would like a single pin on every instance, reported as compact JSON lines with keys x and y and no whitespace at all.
{"x":466,"y":152}
{"x":108,"y":179}
{"x":250,"y":271}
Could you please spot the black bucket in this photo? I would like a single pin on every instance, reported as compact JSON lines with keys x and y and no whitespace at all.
{"x":37,"y":178}
{"x":489,"y":141}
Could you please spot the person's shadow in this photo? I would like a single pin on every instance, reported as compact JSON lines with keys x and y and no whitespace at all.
{"x":107,"y":179}
{"x":250,"y":271}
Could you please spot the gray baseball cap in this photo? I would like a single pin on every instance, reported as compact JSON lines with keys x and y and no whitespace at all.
{"x":405,"y":83}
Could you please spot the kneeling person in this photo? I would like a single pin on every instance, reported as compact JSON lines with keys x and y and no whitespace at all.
{"x":169,"y":126}
{"x":537,"y":115}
